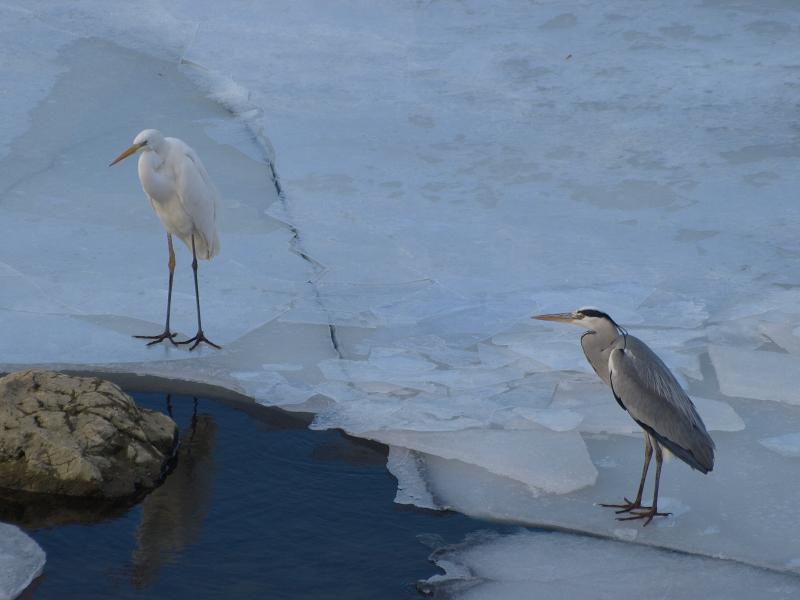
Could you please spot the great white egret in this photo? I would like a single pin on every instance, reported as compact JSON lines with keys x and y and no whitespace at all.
{"x":181,"y":193}
{"x":644,"y":386}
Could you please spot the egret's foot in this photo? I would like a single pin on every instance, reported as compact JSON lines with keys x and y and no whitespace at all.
{"x":647,"y":512}
{"x":200,"y":337}
{"x":627,"y":507}
{"x":167,"y":335}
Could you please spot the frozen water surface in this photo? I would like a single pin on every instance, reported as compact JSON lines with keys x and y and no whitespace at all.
{"x":532,"y":565}
{"x":757,"y":374}
{"x":448,"y":169}
{"x":785,"y":445}
{"x":21,"y":561}
{"x":104,"y":278}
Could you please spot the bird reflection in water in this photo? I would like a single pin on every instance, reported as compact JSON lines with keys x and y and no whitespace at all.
{"x":173,"y":514}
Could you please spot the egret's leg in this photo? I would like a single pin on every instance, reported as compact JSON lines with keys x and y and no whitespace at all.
{"x":649,"y":513}
{"x":200,"y":337}
{"x":167,"y":335}
{"x":628,"y":506}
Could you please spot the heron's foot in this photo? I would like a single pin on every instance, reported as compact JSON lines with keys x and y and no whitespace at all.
{"x":200,"y":337}
{"x":628,"y":506}
{"x":647,"y":513}
{"x":167,"y":335}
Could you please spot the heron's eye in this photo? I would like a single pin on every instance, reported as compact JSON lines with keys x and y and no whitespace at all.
{"x":144,"y":143}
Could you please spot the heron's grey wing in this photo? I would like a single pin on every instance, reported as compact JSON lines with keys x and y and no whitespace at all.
{"x":647,"y":389}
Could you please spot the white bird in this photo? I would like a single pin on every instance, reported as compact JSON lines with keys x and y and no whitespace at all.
{"x":181,"y":193}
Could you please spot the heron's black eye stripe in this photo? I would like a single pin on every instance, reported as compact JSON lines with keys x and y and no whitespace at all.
{"x":589,"y":312}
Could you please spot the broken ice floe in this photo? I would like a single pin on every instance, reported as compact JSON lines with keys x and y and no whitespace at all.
{"x":785,"y":445}
{"x":531,"y":564}
{"x":545,"y":461}
{"x":21,"y":561}
{"x":756,"y":374}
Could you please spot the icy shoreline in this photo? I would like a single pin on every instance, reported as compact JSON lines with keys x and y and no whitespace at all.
{"x":443,"y":186}
{"x":21,"y":561}
{"x":530,"y":564}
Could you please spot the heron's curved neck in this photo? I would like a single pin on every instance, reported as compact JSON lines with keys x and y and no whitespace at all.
{"x":603,"y":334}
{"x":597,"y":345}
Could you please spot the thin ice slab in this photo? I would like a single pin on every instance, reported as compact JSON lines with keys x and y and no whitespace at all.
{"x":527,"y":564}
{"x":83,"y":258}
{"x":723,"y":514}
{"x":21,"y":561}
{"x":544,"y":461}
{"x":756,"y":374}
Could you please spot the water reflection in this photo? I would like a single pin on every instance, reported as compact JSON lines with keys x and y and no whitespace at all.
{"x":173,"y":514}
{"x":37,"y":511}
{"x":293,"y":513}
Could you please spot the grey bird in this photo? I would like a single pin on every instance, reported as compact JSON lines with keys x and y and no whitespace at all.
{"x":644,"y":387}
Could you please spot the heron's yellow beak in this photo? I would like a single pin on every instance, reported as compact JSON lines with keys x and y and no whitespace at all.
{"x":132,"y":150}
{"x":560,"y":317}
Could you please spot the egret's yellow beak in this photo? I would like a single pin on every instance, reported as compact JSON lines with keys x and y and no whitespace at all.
{"x":560,"y":317}
{"x":132,"y":150}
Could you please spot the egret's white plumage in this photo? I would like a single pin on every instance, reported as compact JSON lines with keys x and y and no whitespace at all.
{"x":185,"y":200}
{"x":180,"y":190}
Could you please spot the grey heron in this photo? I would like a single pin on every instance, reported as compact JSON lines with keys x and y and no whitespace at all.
{"x":644,"y":387}
{"x":185,"y":200}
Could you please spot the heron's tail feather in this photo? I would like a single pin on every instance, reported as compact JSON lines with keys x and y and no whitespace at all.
{"x":699,"y":457}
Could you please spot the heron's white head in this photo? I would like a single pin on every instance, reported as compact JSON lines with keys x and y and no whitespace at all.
{"x":146,"y":141}
{"x":586,"y":317}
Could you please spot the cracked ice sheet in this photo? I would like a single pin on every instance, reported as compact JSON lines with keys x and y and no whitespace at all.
{"x":785,"y":445}
{"x":717,"y":515}
{"x":723,"y":514}
{"x":434,"y":451}
{"x":455,"y":147}
{"x":531,"y":564}
{"x":785,"y":334}
{"x":21,"y":561}
{"x":544,"y":461}
{"x":83,"y":257}
{"x":443,"y":177}
{"x":756,"y":374}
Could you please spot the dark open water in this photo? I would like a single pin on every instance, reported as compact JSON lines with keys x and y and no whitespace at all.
{"x":258,"y":506}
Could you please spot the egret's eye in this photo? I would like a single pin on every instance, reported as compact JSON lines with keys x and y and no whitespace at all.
{"x":144,"y":143}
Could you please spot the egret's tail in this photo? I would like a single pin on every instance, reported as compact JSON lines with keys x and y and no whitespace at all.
{"x":212,"y":249}
{"x":203,"y":248}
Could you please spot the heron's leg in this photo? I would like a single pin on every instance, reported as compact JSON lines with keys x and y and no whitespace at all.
{"x":200,"y":336}
{"x":167,"y":335}
{"x":628,"y":506}
{"x":649,"y":513}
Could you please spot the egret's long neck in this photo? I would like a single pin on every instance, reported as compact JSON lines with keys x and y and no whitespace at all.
{"x":151,"y":159}
{"x":157,"y":185}
{"x":597,"y":345}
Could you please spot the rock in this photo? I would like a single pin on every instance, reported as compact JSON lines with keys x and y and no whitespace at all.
{"x":79,"y":436}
